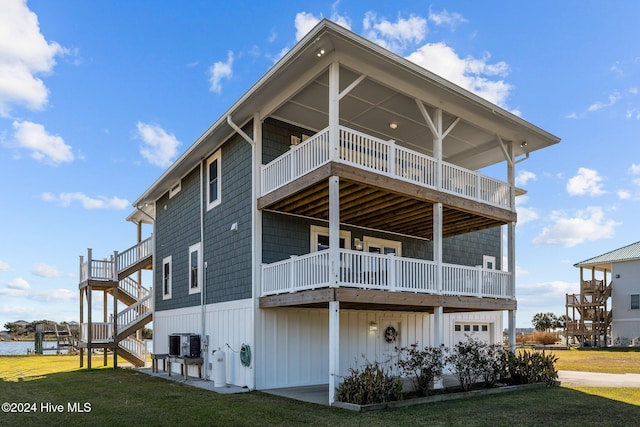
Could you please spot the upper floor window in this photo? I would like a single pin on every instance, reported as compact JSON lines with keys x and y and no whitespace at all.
{"x":635,"y":302}
{"x":166,"y":278}
{"x":213,"y":179}
{"x":320,"y":239}
{"x":195,"y":272}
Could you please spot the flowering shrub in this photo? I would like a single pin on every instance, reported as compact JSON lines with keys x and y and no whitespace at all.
{"x":494,"y":361}
{"x":372,"y":384}
{"x":527,"y":367}
{"x":422,"y":366}
{"x":467,"y":358}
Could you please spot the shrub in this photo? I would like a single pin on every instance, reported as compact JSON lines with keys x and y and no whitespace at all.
{"x":421,"y":366}
{"x":372,"y":384}
{"x":494,"y":359}
{"x":527,"y":367}
{"x":466,"y":358}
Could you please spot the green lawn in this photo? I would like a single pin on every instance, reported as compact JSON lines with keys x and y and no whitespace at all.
{"x":127,"y":397}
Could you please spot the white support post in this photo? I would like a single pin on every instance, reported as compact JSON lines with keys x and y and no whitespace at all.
{"x":391,"y":272}
{"x":511,"y":250}
{"x":512,"y":330}
{"x":334,"y":111}
{"x":438,"y":338}
{"x":334,"y":231}
{"x":391,"y":158}
{"x":334,"y":348}
{"x":437,"y":244}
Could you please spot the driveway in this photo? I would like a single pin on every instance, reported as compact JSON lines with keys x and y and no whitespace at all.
{"x":595,"y":379}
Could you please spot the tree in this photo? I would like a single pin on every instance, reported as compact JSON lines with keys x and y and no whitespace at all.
{"x":544,"y":321}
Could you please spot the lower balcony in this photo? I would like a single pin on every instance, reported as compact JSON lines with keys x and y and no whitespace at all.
{"x":379,"y":277}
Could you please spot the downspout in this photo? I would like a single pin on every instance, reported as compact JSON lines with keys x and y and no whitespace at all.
{"x":203,"y":285}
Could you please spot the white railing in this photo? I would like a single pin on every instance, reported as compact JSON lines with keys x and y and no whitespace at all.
{"x":97,"y":270}
{"x":299,"y":160}
{"x":384,"y":272}
{"x":100,"y":331}
{"x":133,"y":288}
{"x":135,"y":254}
{"x":296,"y":274}
{"x":387,"y":158}
{"x":133,"y":313}
{"x":134,"y":346}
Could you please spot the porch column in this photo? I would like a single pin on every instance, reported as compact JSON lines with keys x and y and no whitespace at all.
{"x":89,"y":291}
{"x":105,"y":319}
{"x":334,"y":230}
{"x":334,"y":348}
{"x":115,"y":327}
{"x":81,"y":321}
{"x":511,"y":244}
{"x":334,"y":111}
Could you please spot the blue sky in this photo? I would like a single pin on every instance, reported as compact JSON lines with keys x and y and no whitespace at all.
{"x":97,"y":98}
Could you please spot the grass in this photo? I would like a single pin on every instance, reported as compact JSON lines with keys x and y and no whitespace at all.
{"x":127,"y":397}
{"x":599,"y":360}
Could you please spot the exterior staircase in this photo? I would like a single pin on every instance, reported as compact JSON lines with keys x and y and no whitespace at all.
{"x":113,"y":276}
{"x":591,"y":320}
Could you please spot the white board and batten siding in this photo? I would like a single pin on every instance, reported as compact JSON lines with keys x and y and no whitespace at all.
{"x":625,"y":325}
{"x":295,"y":343}
{"x":228,"y":325}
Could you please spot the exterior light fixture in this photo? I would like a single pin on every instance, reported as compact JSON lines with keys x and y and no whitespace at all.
{"x":523,"y":144}
{"x":373,"y":326}
{"x":393,"y":125}
{"x":320,"y":53}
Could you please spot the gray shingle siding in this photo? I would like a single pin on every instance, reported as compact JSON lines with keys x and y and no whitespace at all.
{"x":177,"y":228}
{"x":285,"y":235}
{"x":227,"y":253}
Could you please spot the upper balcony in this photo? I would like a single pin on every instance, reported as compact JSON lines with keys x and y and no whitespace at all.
{"x":388,"y":159}
{"x":383,"y":186}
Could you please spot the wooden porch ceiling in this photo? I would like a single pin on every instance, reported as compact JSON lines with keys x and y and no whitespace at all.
{"x":373,"y":201}
{"x":364,"y":299}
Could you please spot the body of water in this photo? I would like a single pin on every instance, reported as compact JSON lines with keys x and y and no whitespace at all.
{"x":22,"y":347}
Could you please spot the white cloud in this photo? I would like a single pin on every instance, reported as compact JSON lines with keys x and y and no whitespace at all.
{"x":634,"y":171}
{"x":446,"y":18}
{"x":100,"y":202}
{"x":160,"y":147}
{"x":624,"y":194}
{"x":524,"y":177}
{"x":219,"y":71}
{"x":4,"y":266}
{"x":47,"y":271}
{"x":587,"y":181}
{"x":395,"y":36}
{"x":613,"y":98}
{"x":304,"y":22}
{"x":469,"y":73}
{"x":19,"y":284}
{"x":525,"y":214}
{"x":584,"y":226}
{"x":24,"y":53}
{"x":45,"y":148}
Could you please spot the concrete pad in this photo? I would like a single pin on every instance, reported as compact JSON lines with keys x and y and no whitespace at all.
{"x":195,"y":382}
{"x":596,"y":379}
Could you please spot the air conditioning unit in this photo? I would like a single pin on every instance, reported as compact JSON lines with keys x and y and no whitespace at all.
{"x":184,"y":345}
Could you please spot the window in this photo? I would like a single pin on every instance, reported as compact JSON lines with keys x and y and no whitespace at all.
{"x":213,"y":179}
{"x":476,"y":328}
{"x":320,"y":238}
{"x":467,"y":328}
{"x":456,"y":328}
{"x":485,"y":328}
{"x":195,"y":274}
{"x":635,"y":302}
{"x":166,"y":278}
{"x":382,"y":246}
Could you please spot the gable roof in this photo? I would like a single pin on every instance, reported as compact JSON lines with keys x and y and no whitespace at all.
{"x":289,"y":91}
{"x":627,"y":253}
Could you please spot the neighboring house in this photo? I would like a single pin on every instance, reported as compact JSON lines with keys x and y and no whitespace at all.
{"x":607,"y":310}
{"x":335,"y":211}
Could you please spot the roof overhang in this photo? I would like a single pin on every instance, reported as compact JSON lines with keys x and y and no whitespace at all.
{"x":389,"y":90}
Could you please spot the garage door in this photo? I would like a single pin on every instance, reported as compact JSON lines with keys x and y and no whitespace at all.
{"x":479,"y":331}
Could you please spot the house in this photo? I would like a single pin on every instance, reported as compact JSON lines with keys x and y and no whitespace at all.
{"x":607,"y":310}
{"x":336,"y":211}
